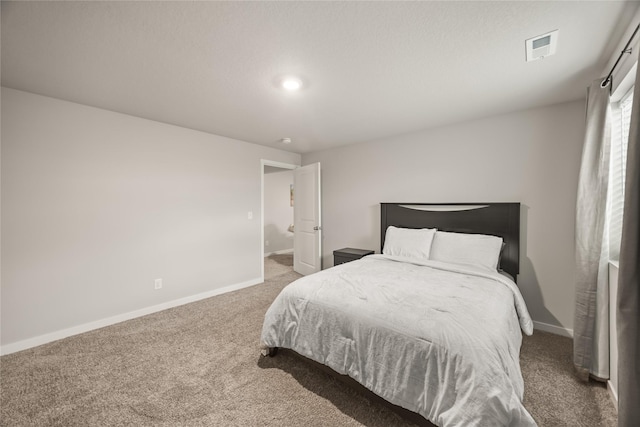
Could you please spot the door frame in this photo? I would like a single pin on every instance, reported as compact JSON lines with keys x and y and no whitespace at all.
{"x":263,"y":163}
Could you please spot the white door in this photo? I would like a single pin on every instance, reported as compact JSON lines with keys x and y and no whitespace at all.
{"x":307,"y":254}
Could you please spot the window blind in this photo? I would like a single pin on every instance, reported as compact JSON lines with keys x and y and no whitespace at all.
{"x":619,"y":140}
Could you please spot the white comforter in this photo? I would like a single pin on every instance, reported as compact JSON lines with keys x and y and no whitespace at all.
{"x":437,"y":339}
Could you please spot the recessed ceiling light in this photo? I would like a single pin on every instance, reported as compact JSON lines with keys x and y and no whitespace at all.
{"x":286,"y":140}
{"x":291,"y":83}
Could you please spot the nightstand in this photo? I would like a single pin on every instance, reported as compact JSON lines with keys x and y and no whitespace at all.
{"x":349,"y":254}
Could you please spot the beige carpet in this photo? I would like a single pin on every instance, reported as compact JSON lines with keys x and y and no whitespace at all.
{"x":277,"y":264}
{"x":199,"y":365}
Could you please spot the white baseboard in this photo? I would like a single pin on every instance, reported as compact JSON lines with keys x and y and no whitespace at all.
{"x":284,"y":251}
{"x":614,"y":394}
{"x":86,"y":327}
{"x":558,"y":330}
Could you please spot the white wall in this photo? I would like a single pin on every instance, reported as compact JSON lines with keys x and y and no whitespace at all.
{"x":278,"y":212}
{"x":531,"y":157}
{"x":97,"y":204}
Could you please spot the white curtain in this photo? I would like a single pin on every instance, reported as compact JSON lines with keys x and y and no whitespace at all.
{"x":628,"y":316}
{"x":591,"y":320}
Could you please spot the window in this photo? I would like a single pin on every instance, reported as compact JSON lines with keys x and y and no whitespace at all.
{"x":619,"y":140}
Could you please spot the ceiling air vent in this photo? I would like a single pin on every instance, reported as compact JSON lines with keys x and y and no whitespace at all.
{"x":540,"y":46}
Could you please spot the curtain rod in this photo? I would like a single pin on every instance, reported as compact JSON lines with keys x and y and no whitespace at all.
{"x":626,"y":49}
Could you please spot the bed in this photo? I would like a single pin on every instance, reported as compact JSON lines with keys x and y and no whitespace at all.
{"x":432,"y":324}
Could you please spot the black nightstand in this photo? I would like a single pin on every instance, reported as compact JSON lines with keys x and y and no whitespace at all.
{"x":349,"y":254}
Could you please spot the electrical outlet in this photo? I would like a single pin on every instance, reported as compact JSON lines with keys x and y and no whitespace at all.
{"x":249,"y":215}
{"x":266,"y":243}
{"x":158,"y":284}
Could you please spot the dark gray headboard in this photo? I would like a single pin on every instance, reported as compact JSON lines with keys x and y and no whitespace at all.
{"x":497,"y":219}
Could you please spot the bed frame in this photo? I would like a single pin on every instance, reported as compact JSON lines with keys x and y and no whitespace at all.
{"x":497,"y":219}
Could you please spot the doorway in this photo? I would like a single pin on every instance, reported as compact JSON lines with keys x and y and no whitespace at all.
{"x":277,"y":218}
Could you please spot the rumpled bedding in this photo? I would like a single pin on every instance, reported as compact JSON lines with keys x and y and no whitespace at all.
{"x":439,"y":339}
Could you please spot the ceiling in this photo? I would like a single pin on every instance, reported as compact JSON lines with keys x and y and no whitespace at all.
{"x":371,"y":69}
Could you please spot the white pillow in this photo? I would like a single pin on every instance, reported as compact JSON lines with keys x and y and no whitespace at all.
{"x":479,"y":250}
{"x":408,"y":242}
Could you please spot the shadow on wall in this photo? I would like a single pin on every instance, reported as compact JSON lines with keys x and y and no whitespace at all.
{"x":276,"y":239}
{"x":369,"y":240}
{"x":530,"y":288}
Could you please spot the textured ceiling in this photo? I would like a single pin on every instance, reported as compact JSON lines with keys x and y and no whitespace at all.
{"x":372,"y":69}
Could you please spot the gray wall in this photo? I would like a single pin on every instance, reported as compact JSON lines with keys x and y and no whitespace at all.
{"x":97,"y":204}
{"x":532,"y":157}
{"x":278,"y":212}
